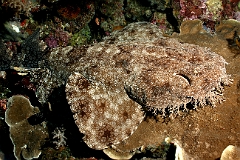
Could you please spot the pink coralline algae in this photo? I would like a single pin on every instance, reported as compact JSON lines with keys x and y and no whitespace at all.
{"x":206,"y":10}
{"x":57,"y":38}
{"x":192,"y":9}
{"x":135,"y":67}
{"x":51,"y":41}
{"x":230,"y":9}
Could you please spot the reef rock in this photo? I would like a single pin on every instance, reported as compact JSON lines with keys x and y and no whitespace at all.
{"x":27,"y":138}
{"x":231,"y":153}
{"x":138,"y":64}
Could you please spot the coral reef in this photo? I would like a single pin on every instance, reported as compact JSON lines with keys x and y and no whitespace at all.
{"x":76,"y":14}
{"x":160,"y":19}
{"x":51,"y":41}
{"x":214,"y":7}
{"x":18,"y":6}
{"x":159,"y":151}
{"x":5,"y":58}
{"x":158,"y":4}
{"x":69,"y":11}
{"x":61,"y":153}
{"x":3,"y":105}
{"x":58,"y":37}
{"x":27,"y":139}
{"x":211,"y":12}
{"x":134,"y":66}
{"x":113,"y":154}
{"x":227,"y":28}
{"x":229,"y":9}
{"x":82,"y":37}
{"x":111,"y":14}
{"x":140,"y":11}
{"x":192,"y":9}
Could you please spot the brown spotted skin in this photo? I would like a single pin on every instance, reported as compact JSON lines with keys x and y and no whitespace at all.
{"x":137,"y":67}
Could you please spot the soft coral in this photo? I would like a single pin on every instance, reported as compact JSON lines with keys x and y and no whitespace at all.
{"x":192,"y":9}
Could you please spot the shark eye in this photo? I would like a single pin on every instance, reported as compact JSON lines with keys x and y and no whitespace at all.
{"x":185,"y":77}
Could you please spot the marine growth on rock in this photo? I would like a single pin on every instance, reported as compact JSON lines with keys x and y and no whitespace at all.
{"x":26,"y":138}
{"x":136,"y":67}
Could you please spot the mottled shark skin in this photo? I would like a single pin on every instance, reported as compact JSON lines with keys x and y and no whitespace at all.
{"x":105,"y":116}
{"x":138,"y":67}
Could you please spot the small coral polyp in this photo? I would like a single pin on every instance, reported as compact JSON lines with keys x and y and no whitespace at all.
{"x":135,"y":67}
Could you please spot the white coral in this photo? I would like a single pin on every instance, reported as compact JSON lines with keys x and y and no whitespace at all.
{"x":60,"y":139}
